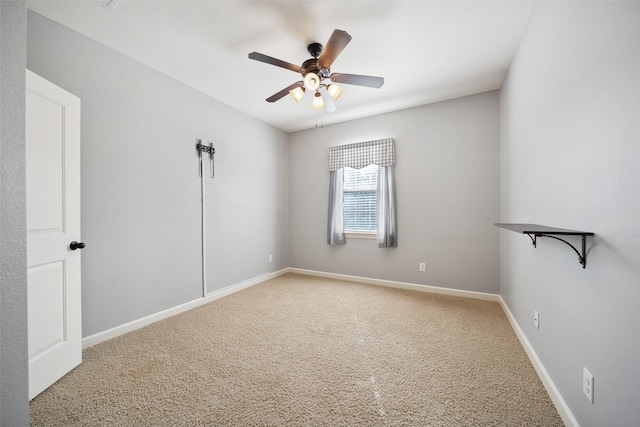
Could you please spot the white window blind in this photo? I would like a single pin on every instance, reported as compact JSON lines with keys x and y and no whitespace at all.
{"x":360,"y":194}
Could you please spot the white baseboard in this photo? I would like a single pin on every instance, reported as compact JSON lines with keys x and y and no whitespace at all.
{"x":114,"y":332}
{"x":401,"y":285}
{"x":94,"y":339}
{"x":557,"y":399}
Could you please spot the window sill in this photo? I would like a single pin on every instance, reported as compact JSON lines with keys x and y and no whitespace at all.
{"x":355,"y":235}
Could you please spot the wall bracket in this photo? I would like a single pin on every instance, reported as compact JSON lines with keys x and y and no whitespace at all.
{"x":534,"y":231}
{"x":201,"y":148}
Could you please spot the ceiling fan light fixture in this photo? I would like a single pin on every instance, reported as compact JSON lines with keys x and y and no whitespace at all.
{"x":318,"y":102}
{"x":315,"y":71}
{"x":297,"y":93}
{"x":335,"y":91}
{"x":311,"y":81}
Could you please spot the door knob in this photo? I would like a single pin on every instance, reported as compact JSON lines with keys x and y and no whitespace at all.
{"x":76,"y":245}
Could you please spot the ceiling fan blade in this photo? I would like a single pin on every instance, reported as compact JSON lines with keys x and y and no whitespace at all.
{"x":357,"y":79}
{"x":274,"y":61}
{"x":329,"y":104}
{"x":337,"y":42}
{"x":284,"y":92}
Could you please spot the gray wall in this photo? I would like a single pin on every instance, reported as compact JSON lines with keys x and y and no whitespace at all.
{"x":247,"y":204}
{"x":14,"y":393}
{"x":447,"y":174}
{"x":140,"y":183}
{"x":570,"y":156}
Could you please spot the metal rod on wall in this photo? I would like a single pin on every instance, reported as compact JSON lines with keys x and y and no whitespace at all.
{"x":207,"y":149}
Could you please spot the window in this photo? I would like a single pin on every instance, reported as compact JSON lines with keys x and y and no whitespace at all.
{"x":362,"y":200}
{"x":360,"y":194}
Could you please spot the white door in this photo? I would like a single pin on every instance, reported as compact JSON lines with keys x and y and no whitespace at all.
{"x":53,"y":222}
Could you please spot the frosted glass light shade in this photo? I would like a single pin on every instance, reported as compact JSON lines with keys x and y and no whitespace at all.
{"x":318,"y":102}
{"x":311,"y":81}
{"x":335,"y":91}
{"x":297,"y":93}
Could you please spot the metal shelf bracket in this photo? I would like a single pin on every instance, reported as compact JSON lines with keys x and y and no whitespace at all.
{"x":582,"y":257}
{"x":534,"y":231}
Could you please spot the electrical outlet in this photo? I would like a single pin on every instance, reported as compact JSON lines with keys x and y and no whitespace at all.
{"x":587,"y":384}
{"x":423,"y":266}
{"x":270,"y":258}
{"x":536,"y":319}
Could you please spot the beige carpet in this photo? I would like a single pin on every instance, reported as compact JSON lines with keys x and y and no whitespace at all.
{"x":308,"y":351}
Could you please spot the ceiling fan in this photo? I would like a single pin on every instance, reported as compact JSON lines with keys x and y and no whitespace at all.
{"x":316,"y":70}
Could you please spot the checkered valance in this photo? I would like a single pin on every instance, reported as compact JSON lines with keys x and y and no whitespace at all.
{"x":381,"y":152}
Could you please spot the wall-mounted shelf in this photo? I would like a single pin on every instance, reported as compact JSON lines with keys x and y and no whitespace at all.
{"x":534,"y":231}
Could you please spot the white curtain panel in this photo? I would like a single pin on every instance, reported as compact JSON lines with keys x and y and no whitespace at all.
{"x":335,"y":227}
{"x":386,"y":208}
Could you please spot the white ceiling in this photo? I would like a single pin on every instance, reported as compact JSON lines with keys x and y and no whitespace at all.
{"x":427,"y":51}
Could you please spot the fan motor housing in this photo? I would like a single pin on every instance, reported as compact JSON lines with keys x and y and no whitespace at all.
{"x":315,"y":49}
{"x":310,"y":66}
